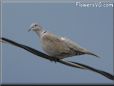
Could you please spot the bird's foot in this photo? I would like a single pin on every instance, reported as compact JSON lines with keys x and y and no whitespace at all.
{"x":54,"y":59}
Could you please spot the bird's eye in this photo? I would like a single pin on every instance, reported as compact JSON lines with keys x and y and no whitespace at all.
{"x":35,"y":25}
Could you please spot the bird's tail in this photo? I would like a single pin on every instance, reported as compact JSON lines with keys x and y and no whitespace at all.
{"x":90,"y":53}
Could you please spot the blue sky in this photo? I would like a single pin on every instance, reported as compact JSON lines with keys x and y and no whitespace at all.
{"x":91,"y":27}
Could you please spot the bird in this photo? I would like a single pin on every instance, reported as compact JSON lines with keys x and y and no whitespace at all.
{"x":58,"y":46}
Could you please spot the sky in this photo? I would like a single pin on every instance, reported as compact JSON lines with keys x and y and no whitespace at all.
{"x":91,"y":27}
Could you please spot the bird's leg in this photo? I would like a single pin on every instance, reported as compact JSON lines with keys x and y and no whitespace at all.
{"x":55,"y":59}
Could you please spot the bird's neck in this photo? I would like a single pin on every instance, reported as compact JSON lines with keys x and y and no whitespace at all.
{"x":40,"y":33}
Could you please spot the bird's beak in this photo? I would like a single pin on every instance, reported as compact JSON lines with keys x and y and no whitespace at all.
{"x":29,"y":30}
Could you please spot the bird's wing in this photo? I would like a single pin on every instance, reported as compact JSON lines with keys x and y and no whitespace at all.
{"x":54,"y":45}
{"x":73,"y":46}
{"x":62,"y":47}
{"x":61,"y":42}
{"x":76,"y":47}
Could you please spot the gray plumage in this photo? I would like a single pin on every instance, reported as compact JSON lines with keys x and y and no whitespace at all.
{"x":57,"y":46}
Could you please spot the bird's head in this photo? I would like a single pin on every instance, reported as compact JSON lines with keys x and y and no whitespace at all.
{"x":35,"y":27}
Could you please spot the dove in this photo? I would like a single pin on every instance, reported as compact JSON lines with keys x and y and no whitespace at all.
{"x":58,"y":46}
